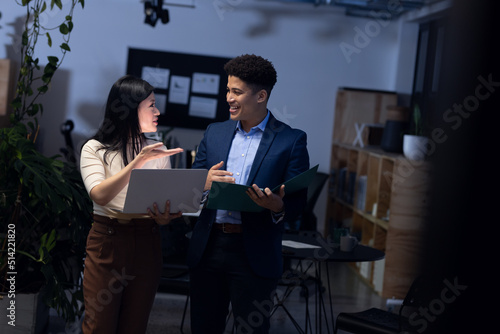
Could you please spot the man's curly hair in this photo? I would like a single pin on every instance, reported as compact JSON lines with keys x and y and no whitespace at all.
{"x":253,"y":70}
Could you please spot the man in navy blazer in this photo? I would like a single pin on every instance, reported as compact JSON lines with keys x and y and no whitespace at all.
{"x":235,"y":257}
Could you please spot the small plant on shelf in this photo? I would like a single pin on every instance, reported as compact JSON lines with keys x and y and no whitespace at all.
{"x":415,"y":144}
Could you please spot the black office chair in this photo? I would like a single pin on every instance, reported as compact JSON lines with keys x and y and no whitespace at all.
{"x":378,"y":321}
{"x":306,"y":225}
{"x":307,"y":220}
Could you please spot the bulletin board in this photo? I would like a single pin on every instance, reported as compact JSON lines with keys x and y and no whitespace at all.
{"x":190,"y":89}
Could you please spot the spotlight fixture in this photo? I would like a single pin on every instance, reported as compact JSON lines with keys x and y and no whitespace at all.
{"x":150,"y":13}
{"x":154,"y":11}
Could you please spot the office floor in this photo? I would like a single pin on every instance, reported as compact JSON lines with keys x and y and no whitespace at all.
{"x":349,"y":293}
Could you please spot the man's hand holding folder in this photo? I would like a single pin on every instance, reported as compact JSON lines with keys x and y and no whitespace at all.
{"x":236,"y":197}
{"x":266,"y":198}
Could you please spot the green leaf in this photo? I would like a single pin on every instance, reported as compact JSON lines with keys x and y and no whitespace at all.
{"x":50,"y":68}
{"x":63,"y":29}
{"x":58,"y":3}
{"x":46,"y":78}
{"x":417,"y":119}
{"x":43,"y":89}
{"x":24,"y":39}
{"x":26,"y":254}
{"x":16,"y":103}
{"x":65,"y":47}
{"x":49,"y":39}
{"x":53,"y":60}
{"x":50,"y":242}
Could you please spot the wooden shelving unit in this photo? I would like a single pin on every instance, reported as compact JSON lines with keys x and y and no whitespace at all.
{"x":382,"y":199}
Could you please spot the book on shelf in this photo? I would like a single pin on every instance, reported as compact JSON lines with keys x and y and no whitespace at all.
{"x":351,"y":186}
{"x":378,"y":275}
{"x":341,"y":182}
{"x":361,"y":192}
{"x":332,"y":181}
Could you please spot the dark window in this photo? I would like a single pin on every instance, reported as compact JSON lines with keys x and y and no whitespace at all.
{"x":427,"y":70}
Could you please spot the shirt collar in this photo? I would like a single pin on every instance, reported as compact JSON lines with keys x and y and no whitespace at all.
{"x":261,"y":126}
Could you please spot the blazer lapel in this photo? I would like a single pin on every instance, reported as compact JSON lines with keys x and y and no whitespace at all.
{"x":264,"y":146}
{"x":225,"y":142}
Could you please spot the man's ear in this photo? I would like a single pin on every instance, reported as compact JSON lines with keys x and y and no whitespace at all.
{"x":262,"y":96}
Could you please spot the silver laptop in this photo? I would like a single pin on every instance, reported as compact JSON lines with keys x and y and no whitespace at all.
{"x":183,"y":187}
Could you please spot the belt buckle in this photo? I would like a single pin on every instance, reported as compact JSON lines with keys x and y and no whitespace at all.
{"x":224,"y":228}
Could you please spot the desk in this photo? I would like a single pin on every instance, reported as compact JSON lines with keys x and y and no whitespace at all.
{"x":324,"y":252}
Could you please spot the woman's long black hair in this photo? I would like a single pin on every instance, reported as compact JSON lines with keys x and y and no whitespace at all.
{"x":120,"y":130}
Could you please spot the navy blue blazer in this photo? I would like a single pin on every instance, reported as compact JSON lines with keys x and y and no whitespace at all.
{"x":281,"y":155}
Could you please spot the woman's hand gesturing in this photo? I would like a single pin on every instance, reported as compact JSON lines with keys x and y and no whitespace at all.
{"x":154,"y":151}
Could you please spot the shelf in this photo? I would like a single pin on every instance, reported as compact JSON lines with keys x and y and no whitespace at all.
{"x":381,"y":197}
{"x":382,"y":223}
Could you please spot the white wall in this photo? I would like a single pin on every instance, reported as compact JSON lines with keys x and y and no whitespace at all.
{"x":305,"y":44}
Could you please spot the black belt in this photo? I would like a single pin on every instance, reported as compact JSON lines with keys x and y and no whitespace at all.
{"x":228,"y":228}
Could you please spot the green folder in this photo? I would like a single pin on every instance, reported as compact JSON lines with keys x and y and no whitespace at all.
{"x":228,"y":196}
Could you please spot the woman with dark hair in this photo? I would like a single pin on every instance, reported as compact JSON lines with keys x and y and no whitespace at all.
{"x":123,"y":261}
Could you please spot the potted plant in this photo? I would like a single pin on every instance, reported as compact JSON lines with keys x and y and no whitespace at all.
{"x":415,"y":144}
{"x":45,"y":212}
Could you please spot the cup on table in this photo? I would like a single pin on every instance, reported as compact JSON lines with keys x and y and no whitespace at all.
{"x":347,"y":243}
{"x":338,"y":232}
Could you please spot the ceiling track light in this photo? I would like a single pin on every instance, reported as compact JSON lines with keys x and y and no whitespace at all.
{"x":154,"y":11}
